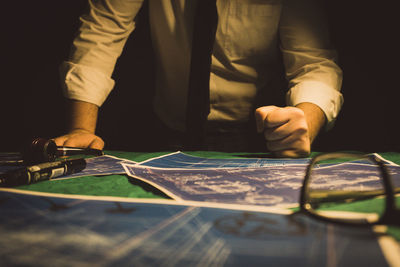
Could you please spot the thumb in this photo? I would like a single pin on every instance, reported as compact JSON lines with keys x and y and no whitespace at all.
{"x":261,"y":115}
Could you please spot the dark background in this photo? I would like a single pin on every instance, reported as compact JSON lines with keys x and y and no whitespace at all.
{"x":37,"y":36}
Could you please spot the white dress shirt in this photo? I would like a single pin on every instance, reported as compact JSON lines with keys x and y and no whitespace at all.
{"x":255,"y":41}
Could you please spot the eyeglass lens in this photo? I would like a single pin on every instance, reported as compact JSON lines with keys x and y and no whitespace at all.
{"x":346,"y":188}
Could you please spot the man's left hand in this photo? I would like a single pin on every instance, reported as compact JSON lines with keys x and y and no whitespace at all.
{"x":285,"y":130}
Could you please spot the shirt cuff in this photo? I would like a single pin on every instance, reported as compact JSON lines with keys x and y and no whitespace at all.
{"x":320,"y":94}
{"x":85,"y":83}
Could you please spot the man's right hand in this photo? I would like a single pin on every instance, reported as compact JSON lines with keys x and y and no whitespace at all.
{"x":80,"y":138}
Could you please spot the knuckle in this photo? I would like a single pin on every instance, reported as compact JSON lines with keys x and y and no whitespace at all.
{"x":296,"y":112}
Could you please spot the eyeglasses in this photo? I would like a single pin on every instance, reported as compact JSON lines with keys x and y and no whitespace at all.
{"x":338,"y":182}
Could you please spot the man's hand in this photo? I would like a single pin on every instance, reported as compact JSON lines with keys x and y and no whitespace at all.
{"x":82,"y":125}
{"x":289,"y":131}
{"x":80,"y":138}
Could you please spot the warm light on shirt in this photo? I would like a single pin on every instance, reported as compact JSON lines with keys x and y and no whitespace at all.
{"x":254,"y":41}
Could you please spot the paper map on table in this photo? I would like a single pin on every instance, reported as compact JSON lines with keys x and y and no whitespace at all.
{"x":39,"y":229}
{"x":275,"y":185}
{"x":183,"y":160}
{"x":102,"y":165}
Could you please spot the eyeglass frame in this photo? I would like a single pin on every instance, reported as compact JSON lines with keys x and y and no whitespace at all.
{"x":390,"y":210}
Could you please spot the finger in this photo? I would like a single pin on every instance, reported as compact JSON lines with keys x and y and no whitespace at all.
{"x":297,"y":129}
{"x":60,"y":140}
{"x":288,"y":143}
{"x":79,"y":141}
{"x":277,"y":133}
{"x":73,"y":142}
{"x":291,"y":154}
{"x":261,"y":115}
{"x":97,"y":143}
{"x":283,"y":115}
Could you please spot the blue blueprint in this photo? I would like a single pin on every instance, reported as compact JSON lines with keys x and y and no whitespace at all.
{"x":266,"y":186}
{"x":182,"y":160}
{"x":43,"y":230}
{"x":102,"y":165}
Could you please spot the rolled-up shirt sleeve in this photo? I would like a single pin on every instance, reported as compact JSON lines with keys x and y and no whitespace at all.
{"x":309,"y":58}
{"x":86,"y":75}
{"x":85,"y":83}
